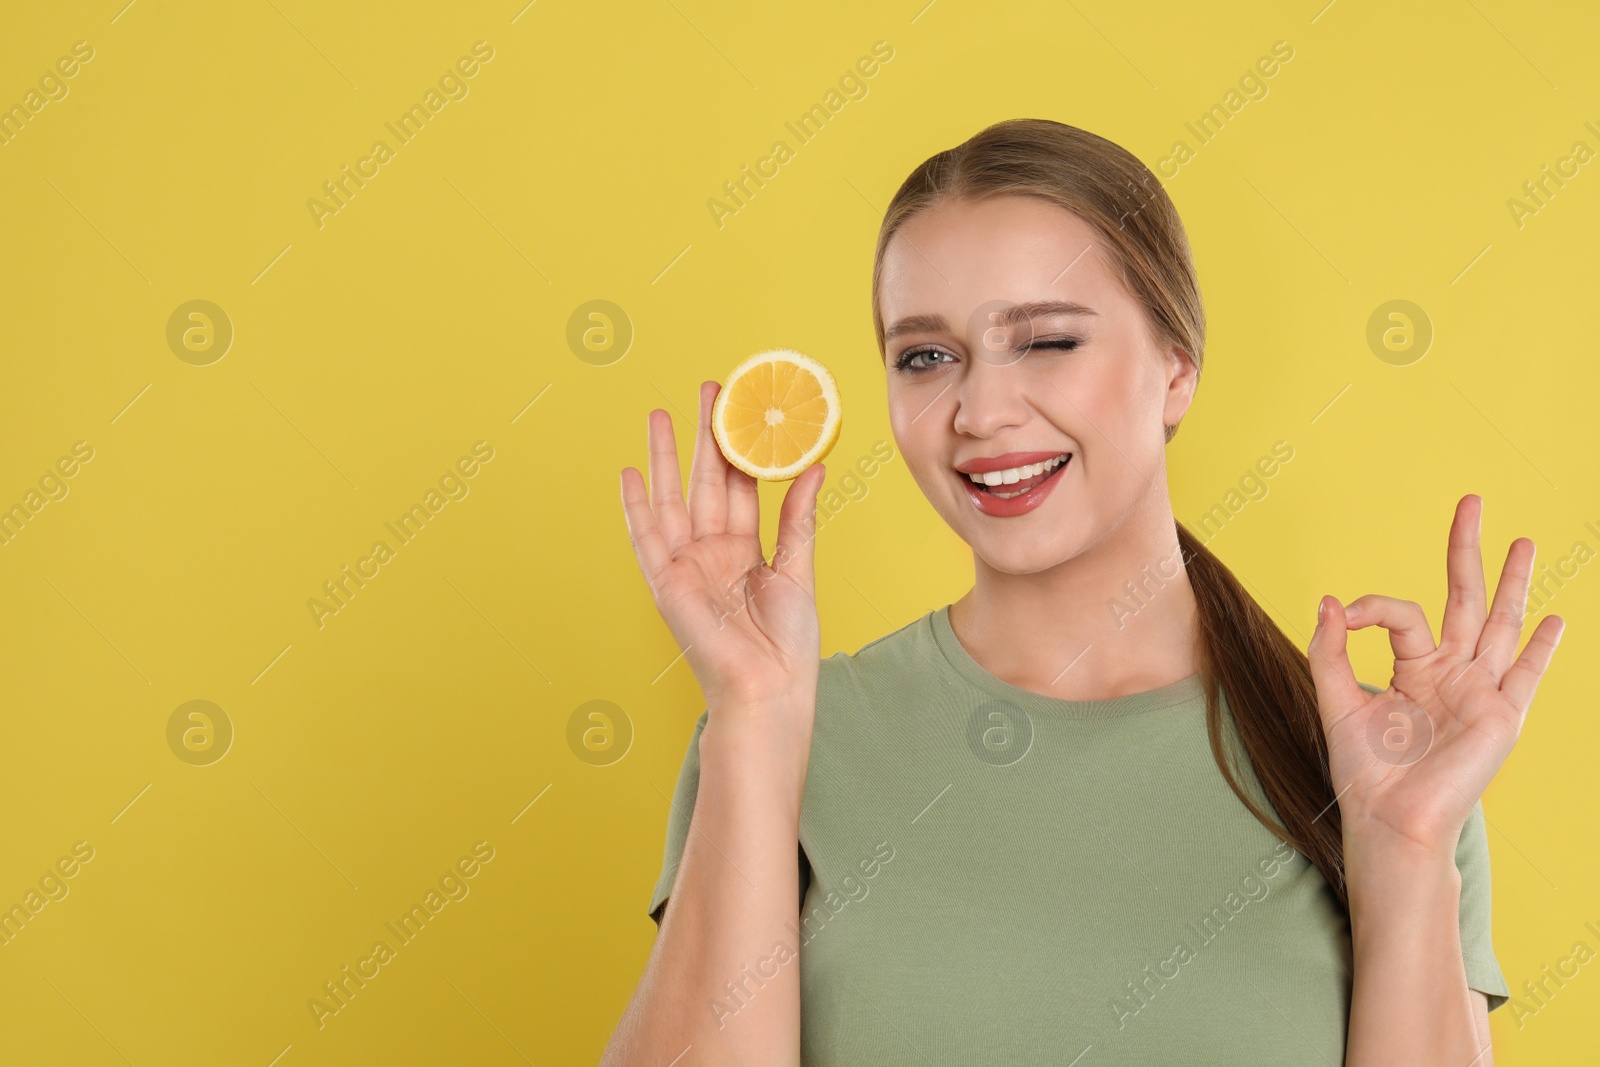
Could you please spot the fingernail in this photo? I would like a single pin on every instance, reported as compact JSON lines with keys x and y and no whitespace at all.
{"x":1322,"y":611}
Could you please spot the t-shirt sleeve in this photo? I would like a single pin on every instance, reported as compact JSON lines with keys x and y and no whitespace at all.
{"x":681,"y":809}
{"x":1477,"y":942}
{"x":1477,"y":947}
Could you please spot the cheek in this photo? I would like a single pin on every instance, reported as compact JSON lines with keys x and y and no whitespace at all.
{"x":918,"y":434}
{"x":1106,"y":403}
{"x":1105,"y":397}
{"x":910,"y":431}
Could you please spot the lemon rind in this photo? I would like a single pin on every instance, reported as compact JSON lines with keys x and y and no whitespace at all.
{"x":819,"y":451}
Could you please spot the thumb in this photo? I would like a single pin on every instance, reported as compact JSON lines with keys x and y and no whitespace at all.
{"x":1335,"y":679}
{"x":795,"y":554}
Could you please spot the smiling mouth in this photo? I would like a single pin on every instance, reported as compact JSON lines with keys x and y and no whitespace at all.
{"x":1022,"y":480}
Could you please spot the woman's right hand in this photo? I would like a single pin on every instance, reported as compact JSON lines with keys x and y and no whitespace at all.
{"x":749,"y":631}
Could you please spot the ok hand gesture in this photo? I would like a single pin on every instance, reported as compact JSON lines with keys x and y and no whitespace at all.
{"x":1413,"y":760}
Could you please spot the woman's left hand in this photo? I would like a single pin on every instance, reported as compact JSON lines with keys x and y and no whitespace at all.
{"x":1410,"y":762}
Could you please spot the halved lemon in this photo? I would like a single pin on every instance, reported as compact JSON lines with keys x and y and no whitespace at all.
{"x":777,"y":414}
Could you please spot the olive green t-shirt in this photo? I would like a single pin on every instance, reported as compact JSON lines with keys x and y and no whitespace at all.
{"x":990,"y":875}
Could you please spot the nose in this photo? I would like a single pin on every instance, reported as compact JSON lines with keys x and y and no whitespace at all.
{"x":990,"y":397}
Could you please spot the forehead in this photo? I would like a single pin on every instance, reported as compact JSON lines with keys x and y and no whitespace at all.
{"x":951,"y":257}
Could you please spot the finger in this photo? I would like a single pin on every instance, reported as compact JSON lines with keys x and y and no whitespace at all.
{"x":797,"y":527}
{"x":708,"y":475}
{"x":1503,"y":632}
{"x":1464,"y":607}
{"x":744,"y":504}
{"x":1337,"y":691}
{"x":1522,"y":680}
{"x":666,"y":487}
{"x":1407,"y":623}
{"x":646,"y":540}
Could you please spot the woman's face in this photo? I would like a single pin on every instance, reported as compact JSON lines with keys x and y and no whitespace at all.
{"x":983,"y":372}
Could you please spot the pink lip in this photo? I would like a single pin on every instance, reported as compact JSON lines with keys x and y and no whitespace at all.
{"x":985,"y":464}
{"x":999,"y":508}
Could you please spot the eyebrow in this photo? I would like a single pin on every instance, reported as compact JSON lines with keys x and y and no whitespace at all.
{"x":1015,"y":313}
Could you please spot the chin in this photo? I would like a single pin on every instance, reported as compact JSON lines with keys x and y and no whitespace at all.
{"x":1020,"y":560}
{"x":1019,"y":553}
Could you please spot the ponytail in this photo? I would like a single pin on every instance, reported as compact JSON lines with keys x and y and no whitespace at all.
{"x":1273,"y":702}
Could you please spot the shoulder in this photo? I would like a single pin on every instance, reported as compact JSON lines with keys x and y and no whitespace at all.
{"x":846,"y":677}
{"x":853,"y":674}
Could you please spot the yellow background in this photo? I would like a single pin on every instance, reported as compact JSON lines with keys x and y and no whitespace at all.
{"x":430,"y":312}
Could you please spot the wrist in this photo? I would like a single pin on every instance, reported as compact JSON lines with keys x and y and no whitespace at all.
{"x":770,"y":743}
{"x":775,"y":715}
{"x":1388,"y":874}
{"x":1369,"y":835}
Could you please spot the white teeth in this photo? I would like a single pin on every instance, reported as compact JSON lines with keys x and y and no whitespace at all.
{"x":1016,"y":474}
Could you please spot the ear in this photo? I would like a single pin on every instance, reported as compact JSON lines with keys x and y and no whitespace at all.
{"x":1182,"y":378}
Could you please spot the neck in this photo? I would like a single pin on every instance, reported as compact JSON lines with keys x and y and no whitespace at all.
{"x":1117,"y":618}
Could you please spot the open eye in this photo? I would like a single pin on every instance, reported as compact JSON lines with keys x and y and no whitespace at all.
{"x":906,"y":358}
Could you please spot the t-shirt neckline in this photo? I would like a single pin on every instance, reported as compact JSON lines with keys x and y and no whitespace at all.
{"x":1180,"y":692}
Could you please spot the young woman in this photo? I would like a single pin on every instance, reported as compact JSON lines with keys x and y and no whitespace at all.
{"x":1100,"y":810}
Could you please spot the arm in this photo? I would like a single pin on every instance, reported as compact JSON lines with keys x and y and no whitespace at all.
{"x":731,"y":916}
{"x":1410,"y":1002}
{"x":1408,"y":765}
{"x":722,"y":985}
